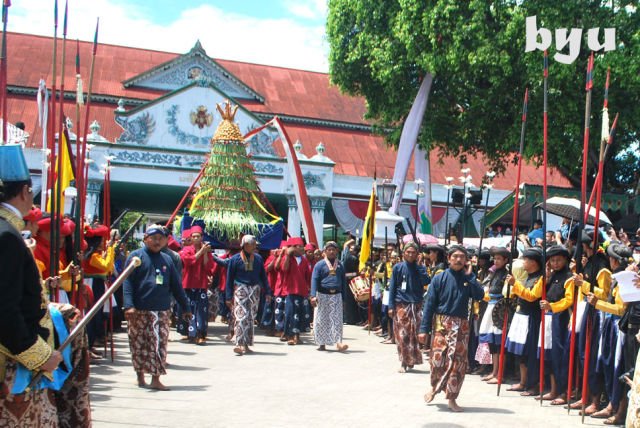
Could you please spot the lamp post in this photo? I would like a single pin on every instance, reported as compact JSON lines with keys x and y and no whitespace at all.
{"x":487,"y":185}
{"x":419,"y":192}
{"x":466,"y":183}
{"x":447,"y":186}
{"x":385,"y":221}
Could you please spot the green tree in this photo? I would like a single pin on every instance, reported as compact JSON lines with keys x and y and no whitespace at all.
{"x":474,"y":51}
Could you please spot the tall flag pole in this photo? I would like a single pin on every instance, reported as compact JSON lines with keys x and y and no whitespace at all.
{"x":516,"y":209}
{"x":52,"y":145}
{"x":3,"y":68}
{"x":583,"y":201}
{"x":545,"y":196}
{"x":83,"y":191}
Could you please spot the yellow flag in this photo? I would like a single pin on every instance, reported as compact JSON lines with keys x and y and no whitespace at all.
{"x":369,"y":229}
{"x":64,"y":177}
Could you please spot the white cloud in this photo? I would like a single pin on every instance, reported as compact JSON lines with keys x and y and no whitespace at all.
{"x":281,"y":42}
{"x":308,"y":9}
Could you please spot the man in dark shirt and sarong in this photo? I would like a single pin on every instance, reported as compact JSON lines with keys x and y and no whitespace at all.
{"x":446,"y":317}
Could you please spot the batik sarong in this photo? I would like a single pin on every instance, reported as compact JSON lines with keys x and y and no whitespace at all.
{"x":406,"y":321}
{"x":68,"y":407}
{"x":293,"y":315}
{"x":449,"y":342}
{"x":327,"y":325}
{"x":279,"y":312}
{"x":213,"y":304}
{"x":148,"y":338}
{"x":36,"y":408}
{"x":199,"y":307}
{"x":72,"y":400}
{"x":245,"y":307}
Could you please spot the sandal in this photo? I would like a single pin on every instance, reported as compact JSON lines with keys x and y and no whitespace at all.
{"x":529,"y":394}
{"x":558,"y":402}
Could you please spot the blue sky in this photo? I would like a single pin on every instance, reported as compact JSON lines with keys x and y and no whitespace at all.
{"x":287,"y":33}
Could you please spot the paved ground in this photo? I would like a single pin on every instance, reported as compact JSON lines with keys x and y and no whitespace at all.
{"x":287,"y":386}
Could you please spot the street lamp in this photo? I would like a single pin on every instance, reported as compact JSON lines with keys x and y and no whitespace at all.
{"x":466,"y":183}
{"x":447,"y":186}
{"x":487,"y":185}
{"x":385,"y":190}
{"x":419,"y":192}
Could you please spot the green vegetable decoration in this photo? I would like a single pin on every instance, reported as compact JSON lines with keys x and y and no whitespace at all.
{"x":226,"y":201}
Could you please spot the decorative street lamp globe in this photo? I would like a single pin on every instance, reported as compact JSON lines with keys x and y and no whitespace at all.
{"x":385,"y":191}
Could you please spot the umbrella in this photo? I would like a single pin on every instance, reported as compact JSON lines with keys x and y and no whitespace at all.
{"x":423,"y":239}
{"x":570,"y":208}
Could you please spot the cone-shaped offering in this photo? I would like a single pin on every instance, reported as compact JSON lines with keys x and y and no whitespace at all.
{"x":225,"y":201}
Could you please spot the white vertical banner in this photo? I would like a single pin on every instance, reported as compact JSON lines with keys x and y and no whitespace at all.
{"x":408,"y":140}
{"x":423,"y":172}
{"x":43,"y":116}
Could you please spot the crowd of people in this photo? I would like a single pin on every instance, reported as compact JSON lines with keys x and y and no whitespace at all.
{"x":444,"y":304}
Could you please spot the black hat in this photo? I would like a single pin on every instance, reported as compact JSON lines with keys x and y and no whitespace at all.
{"x":619,"y":251}
{"x":534,"y":253}
{"x":455,"y":248}
{"x":434,"y":247}
{"x":558,"y":250}
{"x":485,"y":255}
{"x":502,"y":251}
{"x":587,"y":237}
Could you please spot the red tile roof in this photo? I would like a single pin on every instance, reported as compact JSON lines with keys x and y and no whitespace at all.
{"x":286,"y":91}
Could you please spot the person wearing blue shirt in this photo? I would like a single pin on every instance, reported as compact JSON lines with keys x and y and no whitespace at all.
{"x":406,"y":289}
{"x":328,"y":284}
{"x":446,"y":318}
{"x":536,"y":233}
{"x":147,"y":302}
{"x":246,"y":277}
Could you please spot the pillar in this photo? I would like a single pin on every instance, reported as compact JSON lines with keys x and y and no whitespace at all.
{"x":293,"y":222}
{"x":317,"y":214}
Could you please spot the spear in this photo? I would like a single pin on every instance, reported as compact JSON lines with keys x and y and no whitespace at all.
{"x":78,"y":174}
{"x":53,"y":239}
{"x":545,"y":128}
{"x":583,"y":201}
{"x":3,"y":68}
{"x":85,"y":131}
{"x":57,"y":220}
{"x":514,"y":228}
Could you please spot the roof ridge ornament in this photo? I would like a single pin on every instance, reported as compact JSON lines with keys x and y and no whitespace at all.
{"x":198,"y":48}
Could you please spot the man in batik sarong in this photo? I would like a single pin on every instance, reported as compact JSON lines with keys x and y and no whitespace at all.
{"x":198,"y":266}
{"x":406,"y":289}
{"x":246,"y":279}
{"x":296,"y":277}
{"x":446,"y":317}
{"x":147,"y":303}
{"x":328,"y":282}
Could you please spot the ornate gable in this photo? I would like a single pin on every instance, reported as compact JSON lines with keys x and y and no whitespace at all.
{"x":190,"y":67}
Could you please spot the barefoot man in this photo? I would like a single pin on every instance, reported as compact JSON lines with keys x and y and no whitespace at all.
{"x":328,"y":282}
{"x":147,"y":302}
{"x":446,"y":318}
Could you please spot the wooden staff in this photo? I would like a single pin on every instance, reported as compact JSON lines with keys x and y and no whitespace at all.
{"x":514,"y":228}
{"x":545,"y":195}
{"x":78,"y":177}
